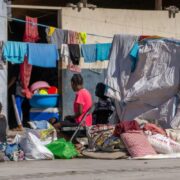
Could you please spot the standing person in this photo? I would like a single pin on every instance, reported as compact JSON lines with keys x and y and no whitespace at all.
{"x":13,"y":72}
{"x":18,"y":99}
{"x":82,"y":103}
{"x":15,"y":98}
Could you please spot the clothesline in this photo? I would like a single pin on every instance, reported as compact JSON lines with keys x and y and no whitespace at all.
{"x":46,"y":26}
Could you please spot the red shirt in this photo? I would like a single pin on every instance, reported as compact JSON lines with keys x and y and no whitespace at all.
{"x":84,"y":98}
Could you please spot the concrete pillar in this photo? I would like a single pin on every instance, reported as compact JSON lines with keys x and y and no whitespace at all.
{"x":158,"y":4}
{"x":3,"y":67}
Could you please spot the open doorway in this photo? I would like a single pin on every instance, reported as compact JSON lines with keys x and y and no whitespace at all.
{"x":50,"y":75}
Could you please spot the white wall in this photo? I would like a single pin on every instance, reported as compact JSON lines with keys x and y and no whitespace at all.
{"x":107,"y":22}
{"x":3,"y":71}
{"x":115,"y":21}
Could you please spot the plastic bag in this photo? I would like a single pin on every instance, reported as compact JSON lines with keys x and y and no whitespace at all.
{"x":62,"y":149}
{"x":46,"y":136}
{"x":33,"y":148}
{"x":164,"y":145}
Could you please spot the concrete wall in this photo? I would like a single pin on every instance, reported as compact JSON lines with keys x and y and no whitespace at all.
{"x":107,"y":22}
{"x":113,"y":21}
{"x":3,"y":68}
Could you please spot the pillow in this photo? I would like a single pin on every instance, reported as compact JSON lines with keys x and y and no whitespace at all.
{"x":137,"y":144}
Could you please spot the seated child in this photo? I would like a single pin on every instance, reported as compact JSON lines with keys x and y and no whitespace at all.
{"x":104,"y":107}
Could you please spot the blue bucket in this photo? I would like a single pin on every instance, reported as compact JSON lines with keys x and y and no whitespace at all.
{"x":44,"y":101}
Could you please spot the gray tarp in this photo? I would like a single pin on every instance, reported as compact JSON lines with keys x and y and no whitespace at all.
{"x":153,"y":84}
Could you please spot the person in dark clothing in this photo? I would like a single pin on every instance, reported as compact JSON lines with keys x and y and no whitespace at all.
{"x":3,"y":126}
{"x":13,"y":73}
{"x":104,"y":107}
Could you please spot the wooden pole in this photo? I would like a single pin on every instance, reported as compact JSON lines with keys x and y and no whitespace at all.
{"x":60,"y":71}
{"x":158,"y":4}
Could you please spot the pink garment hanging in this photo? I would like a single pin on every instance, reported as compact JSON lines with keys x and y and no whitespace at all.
{"x":73,"y":37}
{"x":31,"y":35}
{"x":25,"y":74}
{"x":31,"y":32}
{"x":74,"y":68}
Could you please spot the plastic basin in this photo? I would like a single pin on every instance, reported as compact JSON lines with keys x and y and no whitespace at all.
{"x":44,"y":101}
{"x":39,"y":85}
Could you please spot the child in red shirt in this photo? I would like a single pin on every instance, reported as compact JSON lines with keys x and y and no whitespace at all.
{"x":82,"y":102}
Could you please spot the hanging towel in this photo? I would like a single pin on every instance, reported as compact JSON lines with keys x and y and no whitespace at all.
{"x":43,"y":55}
{"x":89,"y":52}
{"x":83,"y":37}
{"x":55,"y":36}
{"x":14,"y":51}
{"x":74,"y":52}
{"x":31,"y":32}
{"x":103,"y":51}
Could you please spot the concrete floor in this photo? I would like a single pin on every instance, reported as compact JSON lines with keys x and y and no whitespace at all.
{"x":88,"y":169}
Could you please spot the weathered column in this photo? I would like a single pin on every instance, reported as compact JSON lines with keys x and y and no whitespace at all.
{"x":3,"y":67}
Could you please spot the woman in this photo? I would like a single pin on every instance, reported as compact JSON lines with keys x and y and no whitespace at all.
{"x":82,"y":102}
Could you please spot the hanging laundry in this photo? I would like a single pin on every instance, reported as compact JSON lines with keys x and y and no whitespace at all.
{"x":51,"y":31}
{"x":77,"y":38}
{"x":55,"y":36}
{"x":119,"y":67}
{"x":43,"y":55}
{"x":73,"y":37}
{"x":25,"y":75}
{"x":65,"y":36}
{"x":14,"y":51}
{"x":83,"y":37}
{"x":74,"y":68}
{"x":65,"y":53}
{"x":74,"y":52}
{"x":103,"y":51}
{"x":31,"y":32}
{"x":89,"y":52}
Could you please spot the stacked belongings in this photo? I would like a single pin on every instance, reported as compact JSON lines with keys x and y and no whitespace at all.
{"x":44,"y":102}
{"x":103,"y":144}
{"x":137,"y":138}
{"x":146,"y":140}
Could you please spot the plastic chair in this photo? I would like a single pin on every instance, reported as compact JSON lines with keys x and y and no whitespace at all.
{"x":89,"y":111}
